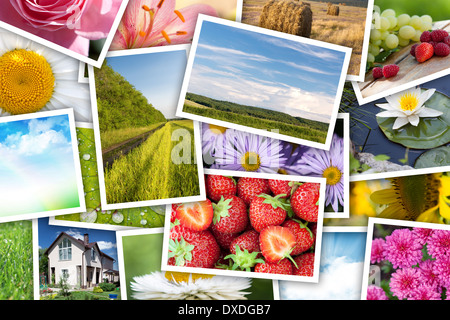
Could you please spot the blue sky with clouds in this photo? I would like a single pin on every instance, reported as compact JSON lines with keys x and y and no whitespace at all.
{"x":157,"y":75}
{"x":256,"y":69}
{"x":341,"y":269}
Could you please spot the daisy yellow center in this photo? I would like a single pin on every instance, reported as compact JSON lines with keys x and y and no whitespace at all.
{"x":184,"y":277}
{"x":332,"y":174}
{"x":217,"y":129}
{"x":26,"y":81}
{"x":408,"y":101}
{"x":251,"y":161}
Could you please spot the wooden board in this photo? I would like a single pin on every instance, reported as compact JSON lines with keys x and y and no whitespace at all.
{"x":410,"y":69}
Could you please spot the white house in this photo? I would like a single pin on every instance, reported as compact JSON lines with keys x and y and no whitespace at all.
{"x":81,"y":261}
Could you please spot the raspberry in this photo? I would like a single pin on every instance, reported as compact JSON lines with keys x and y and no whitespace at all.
{"x":441,"y":49}
{"x":390,"y":70}
{"x":447,"y":40}
{"x":377,"y":72}
{"x":425,"y":36}
{"x":424,"y":51}
{"x":413,"y":49}
{"x":438,"y":35}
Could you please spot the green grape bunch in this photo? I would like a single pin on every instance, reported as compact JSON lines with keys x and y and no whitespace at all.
{"x":390,"y":32}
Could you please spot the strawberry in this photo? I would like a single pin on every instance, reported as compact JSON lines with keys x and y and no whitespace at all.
{"x":276,"y":243}
{"x":245,"y":251}
{"x":304,"y":201}
{"x":438,"y":35}
{"x":282,"y":267}
{"x":424,"y":51}
{"x":441,"y":49}
{"x":305,"y":265}
{"x":413,"y":49}
{"x":280,"y":187}
{"x":192,"y":248}
{"x":266,"y":211}
{"x":390,"y":70}
{"x":197,"y":216}
{"x":247,"y":188}
{"x":377,"y":72}
{"x":303,"y":235}
{"x":224,"y":239}
{"x":425,"y":36}
{"x":217,"y":186}
{"x":230,"y":215}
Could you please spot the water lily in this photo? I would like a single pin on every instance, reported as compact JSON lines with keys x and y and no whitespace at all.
{"x":149,"y":23}
{"x":408,"y":107}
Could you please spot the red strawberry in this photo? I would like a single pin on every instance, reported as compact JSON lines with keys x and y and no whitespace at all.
{"x":245,"y":251}
{"x":217,"y":186}
{"x":413,"y":49}
{"x":247,"y":188}
{"x":304,"y":201}
{"x":224,"y":239}
{"x":230,"y":215}
{"x":192,"y":248}
{"x":196,"y":216}
{"x":276,"y":243}
{"x":282,"y":267}
{"x":280,"y":187}
{"x":425,"y":36}
{"x":377,"y":72}
{"x":305,"y":264}
{"x":441,"y":49}
{"x":266,"y":211}
{"x":303,"y":235}
{"x":424,"y":51}
{"x":438,"y":35}
{"x":390,"y":70}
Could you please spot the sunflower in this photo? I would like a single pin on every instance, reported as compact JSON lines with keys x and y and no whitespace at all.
{"x":34,"y":78}
{"x":418,"y":198}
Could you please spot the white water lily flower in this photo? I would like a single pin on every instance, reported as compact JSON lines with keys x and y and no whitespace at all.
{"x":35,"y":78}
{"x":408,"y":107}
{"x":185,"y":286}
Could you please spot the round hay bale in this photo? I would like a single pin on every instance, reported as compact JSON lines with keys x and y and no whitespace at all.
{"x":333,"y":10}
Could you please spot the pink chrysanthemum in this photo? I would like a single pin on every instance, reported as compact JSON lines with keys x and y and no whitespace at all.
{"x":376,"y":293}
{"x":425,"y":293}
{"x":439,"y":243}
{"x":377,"y":252}
{"x":402,"y":248}
{"x":404,"y":281}
{"x":422,"y":234}
{"x":441,"y":268}
{"x":427,"y":275}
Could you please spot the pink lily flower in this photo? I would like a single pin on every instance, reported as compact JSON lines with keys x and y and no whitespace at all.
{"x":68,"y":23}
{"x":150,"y":23}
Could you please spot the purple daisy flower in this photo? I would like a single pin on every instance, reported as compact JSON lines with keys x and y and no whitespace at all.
{"x":213,"y":137}
{"x":243,"y":151}
{"x":439,"y":243}
{"x":402,"y":248}
{"x":293,"y":154}
{"x":403,"y":282}
{"x":376,"y":293}
{"x":377,"y":251}
{"x":327,"y":164}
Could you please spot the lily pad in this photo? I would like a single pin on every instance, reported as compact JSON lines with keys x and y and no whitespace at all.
{"x":429,"y":133}
{"x":438,"y":157}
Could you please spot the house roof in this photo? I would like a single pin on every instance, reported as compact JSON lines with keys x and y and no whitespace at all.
{"x":79,"y":241}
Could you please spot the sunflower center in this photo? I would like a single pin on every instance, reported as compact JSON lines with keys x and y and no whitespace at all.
{"x":217,"y":129}
{"x":408,"y":101}
{"x":251,"y":161}
{"x":332,"y":174}
{"x":184,"y":277}
{"x":26,"y":81}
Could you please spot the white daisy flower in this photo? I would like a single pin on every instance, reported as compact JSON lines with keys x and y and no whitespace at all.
{"x":185,"y":286}
{"x":408,"y":107}
{"x":35,"y":78}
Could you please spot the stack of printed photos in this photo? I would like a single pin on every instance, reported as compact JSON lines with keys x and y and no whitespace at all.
{"x":224,"y":149}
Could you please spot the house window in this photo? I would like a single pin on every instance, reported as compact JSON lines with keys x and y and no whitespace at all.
{"x":65,"y":250}
{"x":93,"y":255}
{"x":64,"y":273}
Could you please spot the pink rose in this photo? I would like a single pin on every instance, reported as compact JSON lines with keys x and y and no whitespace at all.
{"x":68,"y":23}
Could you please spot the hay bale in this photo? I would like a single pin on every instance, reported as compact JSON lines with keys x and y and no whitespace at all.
{"x":333,"y":10}
{"x":287,"y":16}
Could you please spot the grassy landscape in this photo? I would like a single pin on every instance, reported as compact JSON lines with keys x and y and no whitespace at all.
{"x":346,"y":29}
{"x":255,"y":117}
{"x":148,"y":172}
